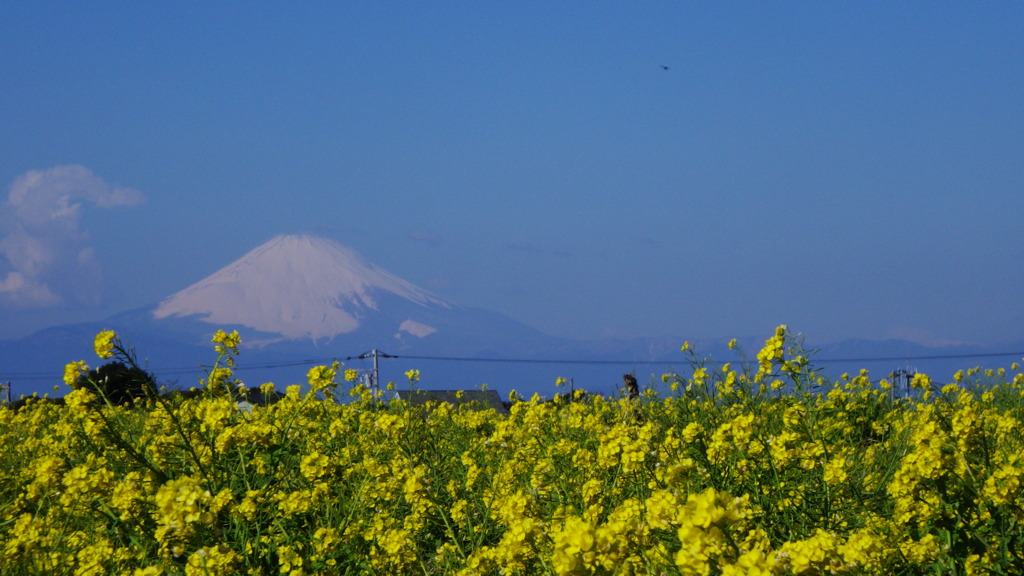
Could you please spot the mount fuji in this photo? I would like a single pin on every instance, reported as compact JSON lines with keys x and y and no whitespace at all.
{"x":302,"y":292}
{"x":297,"y":299}
{"x":304,"y":287}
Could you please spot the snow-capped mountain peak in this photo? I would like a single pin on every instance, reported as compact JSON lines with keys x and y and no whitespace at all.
{"x":298,"y":286}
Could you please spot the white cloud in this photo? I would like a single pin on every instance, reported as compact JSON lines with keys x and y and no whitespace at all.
{"x":45,"y":256}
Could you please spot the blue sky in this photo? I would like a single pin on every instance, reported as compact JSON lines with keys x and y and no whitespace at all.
{"x":850,"y":169}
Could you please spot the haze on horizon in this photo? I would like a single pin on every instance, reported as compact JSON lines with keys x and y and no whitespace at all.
{"x":589,"y":170}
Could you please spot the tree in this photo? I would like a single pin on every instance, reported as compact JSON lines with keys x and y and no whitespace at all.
{"x":119,"y":383}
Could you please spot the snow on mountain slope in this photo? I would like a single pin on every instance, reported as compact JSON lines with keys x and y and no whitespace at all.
{"x":298,"y":287}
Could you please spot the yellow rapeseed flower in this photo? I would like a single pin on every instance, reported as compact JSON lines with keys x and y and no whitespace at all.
{"x":574,"y":549}
{"x":321,"y":377}
{"x":104,"y":344}
{"x":225,"y":342}
{"x":212,"y":561}
{"x":74,"y":370}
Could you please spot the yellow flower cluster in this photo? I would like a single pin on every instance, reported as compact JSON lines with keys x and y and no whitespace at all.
{"x":104,"y":344}
{"x":226,"y":343}
{"x":724,"y":475}
{"x":772,"y":351}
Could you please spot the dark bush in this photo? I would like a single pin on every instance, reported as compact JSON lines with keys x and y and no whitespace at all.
{"x":118,"y":383}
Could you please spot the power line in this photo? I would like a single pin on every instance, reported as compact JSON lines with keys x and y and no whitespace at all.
{"x":926,"y":357}
{"x":530,"y":360}
{"x":180,"y":370}
{"x":663,"y":362}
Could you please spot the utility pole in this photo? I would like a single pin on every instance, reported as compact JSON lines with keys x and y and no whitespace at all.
{"x":375,"y":354}
{"x":7,"y":390}
{"x":376,"y":372}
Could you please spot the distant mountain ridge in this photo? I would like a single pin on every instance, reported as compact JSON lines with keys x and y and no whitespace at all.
{"x":298,"y":300}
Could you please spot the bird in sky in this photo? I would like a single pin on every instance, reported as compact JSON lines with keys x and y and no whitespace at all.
{"x":663,"y":67}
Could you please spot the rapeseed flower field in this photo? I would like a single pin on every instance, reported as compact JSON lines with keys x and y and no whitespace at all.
{"x":764,"y":468}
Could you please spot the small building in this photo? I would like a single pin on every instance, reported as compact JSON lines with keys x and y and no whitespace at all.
{"x":482,"y":399}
